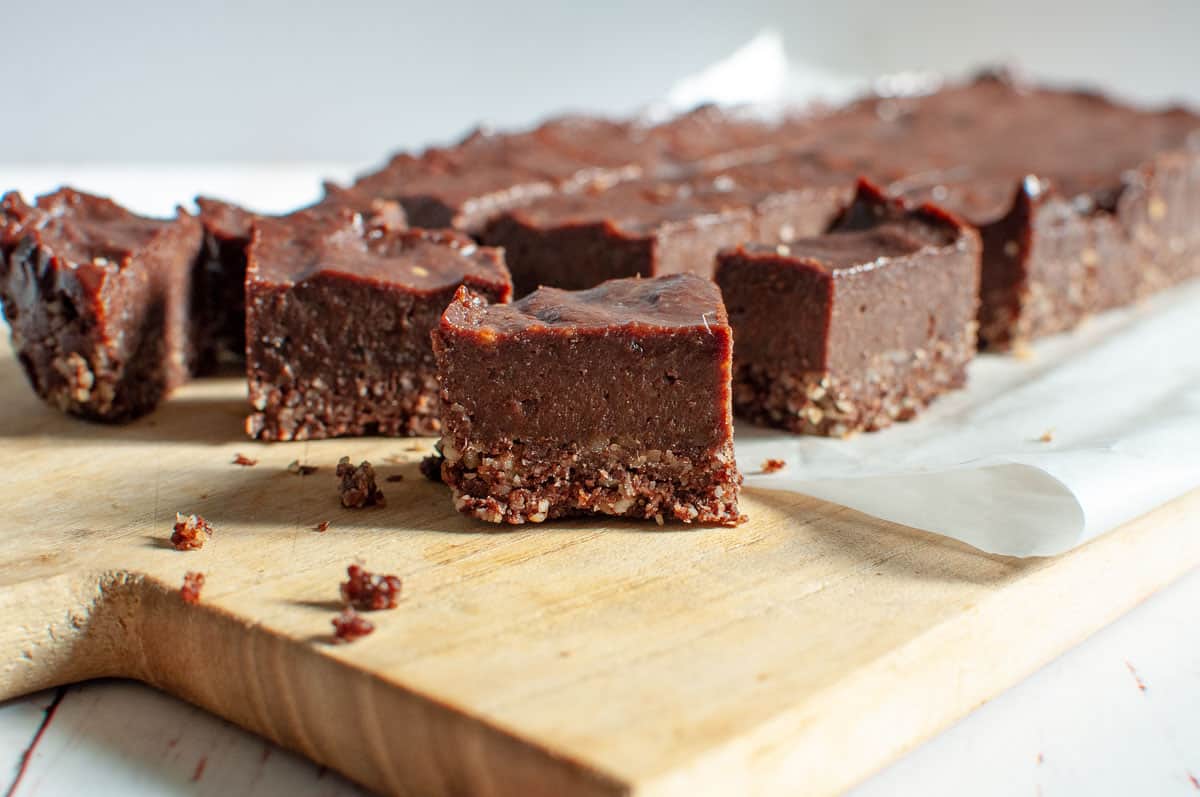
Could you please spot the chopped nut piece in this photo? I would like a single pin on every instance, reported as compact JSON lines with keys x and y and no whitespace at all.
{"x":301,"y":470}
{"x":1022,"y":351}
{"x":350,"y":625}
{"x":431,"y":467}
{"x":191,"y":532}
{"x":1047,"y":436}
{"x":193,"y":582}
{"x":322,"y":526}
{"x":244,"y":461}
{"x":773,"y":465}
{"x":367,"y":591}
{"x":358,"y":488}
{"x":395,"y":477}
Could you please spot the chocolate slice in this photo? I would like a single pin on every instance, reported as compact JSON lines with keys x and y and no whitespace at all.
{"x":99,"y":302}
{"x":614,"y":400}
{"x":339,"y":312}
{"x":855,"y":329}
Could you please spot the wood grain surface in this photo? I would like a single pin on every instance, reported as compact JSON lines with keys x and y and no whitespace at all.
{"x":797,"y":653}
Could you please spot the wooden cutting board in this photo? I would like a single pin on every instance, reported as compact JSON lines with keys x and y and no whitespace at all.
{"x":796,"y":654}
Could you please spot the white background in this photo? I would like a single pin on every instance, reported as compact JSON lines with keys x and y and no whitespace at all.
{"x":292,"y":80}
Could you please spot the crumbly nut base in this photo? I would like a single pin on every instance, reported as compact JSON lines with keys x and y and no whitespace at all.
{"x":307,"y":409}
{"x":513,"y":483}
{"x":893,"y":388}
{"x":85,"y":379}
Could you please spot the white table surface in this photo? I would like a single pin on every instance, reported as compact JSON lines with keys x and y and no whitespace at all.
{"x":1082,"y":725}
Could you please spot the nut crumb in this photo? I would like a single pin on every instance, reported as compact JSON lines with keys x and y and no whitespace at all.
{"x":1022,"y":351}
{"x":773,"y":465}
{"x":350,"y":625}
{"x":1040,"y":758}
{"x":190,"y":532}
{"x":414,"y":447}
{"x":658,"y":518}
{"x":394,"y":459}
{"x":301,"y":470}
{"x":369,"y":592}
{"x":244,"y":461}
{"x":395,"y":477}
{"x":1047,"y":436}
{"x":323,"y":526}
{"x":193,"y":582}
{"x":358,"y":488}
{"x":431,"y":467}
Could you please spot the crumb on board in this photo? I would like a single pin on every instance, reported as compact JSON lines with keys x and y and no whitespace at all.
{"x":190,"y":532}
{"x":1137,"y":679}
{"x":1041,"y":759}
{"x":299,"y":469}
{"x":1047,"y":436}
{"x":1022,"y":351}
{"x":773,"y":465}
{"x":322,"y":526}
{"x":394,"y":459}
{"x":431,"y":467}
{"x":369,"y":591}
{"x":1194,"y":781}
{"x":395,"y":477}
{"x":193,"y":582}
{"x":244,"y":461}
{"x":358,"y":488}
{"x":414,"y":447}
{"x":350,"y":625}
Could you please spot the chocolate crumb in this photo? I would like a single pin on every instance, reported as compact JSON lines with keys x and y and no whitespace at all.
{"x":301,"y":470}
{"x":773,"y":465}
{"x":193,"y":582}
{"x":350,"y":625}
{"x":244,"y":461}
{"x":431,"y":467}
{"x":368,"y":592}
{"x":358,"y":488}
{"x":190,"y":532}
{"x":322,"y":526}
{"x":1136,"y":678}
{"x":1047,"y":436}
{"x":395,"y":477}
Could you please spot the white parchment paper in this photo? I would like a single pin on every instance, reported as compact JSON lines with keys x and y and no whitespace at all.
{"x":1040,"y":453}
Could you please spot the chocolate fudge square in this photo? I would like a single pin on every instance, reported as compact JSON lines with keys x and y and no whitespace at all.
{"x":858,"y":328}
{"x":219,"y":298}
{"x":613,"y":401}
{"x":339,"y":309}
{"x":99,"y":302}
{"x":656,"y":227}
